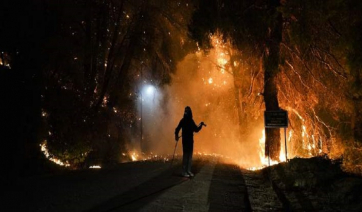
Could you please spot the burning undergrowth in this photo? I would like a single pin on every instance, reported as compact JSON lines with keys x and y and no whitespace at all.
{"x":224,"y":88}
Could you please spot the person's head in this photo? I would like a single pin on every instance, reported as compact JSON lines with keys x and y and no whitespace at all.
{"x":188,"y":112}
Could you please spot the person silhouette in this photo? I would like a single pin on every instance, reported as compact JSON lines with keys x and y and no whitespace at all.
{"x":188,"y":126}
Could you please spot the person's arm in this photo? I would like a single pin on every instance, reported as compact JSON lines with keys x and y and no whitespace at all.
{"x":177,"y":130}
{"x":197,"y":128}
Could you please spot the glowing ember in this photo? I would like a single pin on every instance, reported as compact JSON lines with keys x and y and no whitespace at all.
{"x":147,"y":157}
{"x":221,"y":61}
{"x":210,"y":80}
{"x":43,"y":113}
{"x":211,"y":154}
{"x":95,"y":167}
{"x":44,"y":149}
{"x":134,"y":156}
{"x":105,"y":101}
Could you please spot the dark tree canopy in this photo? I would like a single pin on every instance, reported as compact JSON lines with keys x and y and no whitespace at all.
{"x":71,"y":71}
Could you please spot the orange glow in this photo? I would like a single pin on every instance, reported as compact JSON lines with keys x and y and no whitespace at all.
{"x":134,"y":156}
{"x":44,"y":149}
{"x":265,"y":160}
{"x":211,"y":84}
{"x":210,"y":80}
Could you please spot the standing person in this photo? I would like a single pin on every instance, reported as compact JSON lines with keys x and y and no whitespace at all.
{"x":188,"y":128}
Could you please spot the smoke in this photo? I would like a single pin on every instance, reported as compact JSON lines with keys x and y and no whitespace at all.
{"x":204,"y":83}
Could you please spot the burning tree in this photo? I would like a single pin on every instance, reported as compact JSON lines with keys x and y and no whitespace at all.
{"x":302,"y":56}
{"x":254,"y":30}
{"x":307,"y":52}
{"x":318,"y":77}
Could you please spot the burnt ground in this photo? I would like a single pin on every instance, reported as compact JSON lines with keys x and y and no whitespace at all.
{"x":315,"y":184}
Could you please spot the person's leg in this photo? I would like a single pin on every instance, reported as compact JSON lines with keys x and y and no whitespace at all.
{"x":190,"y":160}
{"x":184,"y":158}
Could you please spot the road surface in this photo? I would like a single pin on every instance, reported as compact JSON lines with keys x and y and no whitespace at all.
{"x":154,"y":186}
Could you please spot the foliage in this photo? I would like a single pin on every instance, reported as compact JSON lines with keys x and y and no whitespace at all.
{"x":319,"y":78}
{"x":91,"y":56}
{"x":101,"y":53}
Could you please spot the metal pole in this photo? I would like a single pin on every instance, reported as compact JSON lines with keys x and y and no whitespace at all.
{"x":269,"y":169}
{"x":141,"y":113}
{"x":268,"y":149}
{"x":285,"y":139}
{"x":141,"y":122}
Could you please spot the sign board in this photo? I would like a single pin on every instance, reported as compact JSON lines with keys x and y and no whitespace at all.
{"x":276,"y":119}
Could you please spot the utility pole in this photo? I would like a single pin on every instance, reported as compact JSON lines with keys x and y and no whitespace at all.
{"x":141,"y":112}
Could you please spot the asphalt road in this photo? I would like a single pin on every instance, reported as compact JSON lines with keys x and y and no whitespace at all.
{"x":155,"y":186}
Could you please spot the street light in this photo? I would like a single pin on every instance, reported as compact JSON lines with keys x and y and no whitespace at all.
{"x":147,"y":91}
{"x":150,"y":89}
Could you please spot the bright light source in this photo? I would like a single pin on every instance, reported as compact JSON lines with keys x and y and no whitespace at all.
{"x":150,"y":89}
{"x":149,"y":97}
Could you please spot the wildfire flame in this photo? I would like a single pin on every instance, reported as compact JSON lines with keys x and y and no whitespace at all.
{"x":44,"y":149}
{"x":134,"y":156}
{"x":265,"y":161}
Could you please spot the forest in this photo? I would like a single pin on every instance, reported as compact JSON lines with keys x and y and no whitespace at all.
{"x":96,"y":82}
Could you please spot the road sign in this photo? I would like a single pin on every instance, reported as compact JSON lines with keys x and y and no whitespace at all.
{"x":276,"y":119}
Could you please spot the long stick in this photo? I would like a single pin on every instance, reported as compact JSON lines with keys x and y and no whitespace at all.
{"x":173,"y":157}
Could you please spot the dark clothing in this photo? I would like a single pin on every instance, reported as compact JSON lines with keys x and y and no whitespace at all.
{"x":188,"y":126}
{"x":187,"y":149}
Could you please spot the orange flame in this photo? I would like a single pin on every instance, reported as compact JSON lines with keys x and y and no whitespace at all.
{"x":44,"y":149}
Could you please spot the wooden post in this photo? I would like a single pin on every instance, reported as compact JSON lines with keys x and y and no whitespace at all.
{"x":285,"y":137}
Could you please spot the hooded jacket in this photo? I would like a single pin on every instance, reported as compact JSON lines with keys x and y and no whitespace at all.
{"x":188,"y":126}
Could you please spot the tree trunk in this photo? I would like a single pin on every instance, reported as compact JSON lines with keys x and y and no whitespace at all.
{"x":356,"y":118}
{"x":122,"y":77}
{"x":98,"y":53}
{"x":88,"y":56}
{"x":271,"y":69}
{"x":237,"y":94}
{"x":110,"y":58}
{"x":357,"y":122}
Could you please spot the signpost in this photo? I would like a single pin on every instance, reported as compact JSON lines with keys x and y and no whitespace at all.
{"x":277,"y":119}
